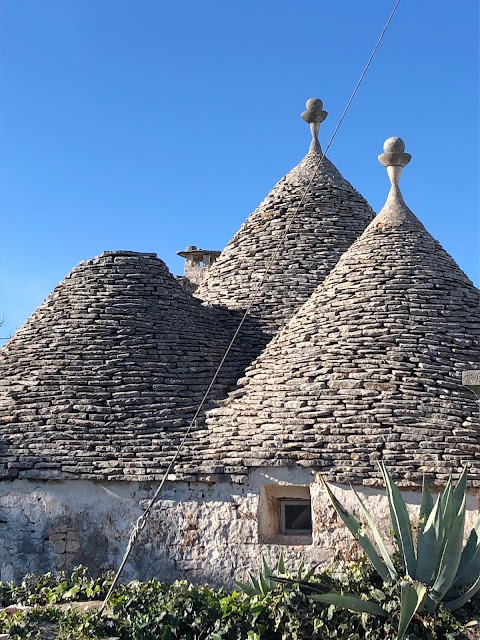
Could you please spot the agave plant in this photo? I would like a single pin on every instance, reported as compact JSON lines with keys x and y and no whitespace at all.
{"x":321,"y":590}
{"x":268,"y":578}
{"x":435,"y":567}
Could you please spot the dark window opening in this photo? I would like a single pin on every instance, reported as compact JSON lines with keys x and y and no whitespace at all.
{"x":295,"y":516}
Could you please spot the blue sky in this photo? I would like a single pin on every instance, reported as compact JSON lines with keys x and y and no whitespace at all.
{"x":151,"y":125}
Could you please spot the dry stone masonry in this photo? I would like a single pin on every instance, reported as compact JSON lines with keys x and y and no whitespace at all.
{"x":104,"y":378}
{"x":370,"y":327}
{"x":328,"y":215}
{"x":197,"y":262}
{"x":370,"y":367}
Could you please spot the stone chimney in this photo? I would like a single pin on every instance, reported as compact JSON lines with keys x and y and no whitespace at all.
{"x":197,"y":261}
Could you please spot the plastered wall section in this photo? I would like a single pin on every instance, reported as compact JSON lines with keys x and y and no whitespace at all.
{"x":201,"y":531}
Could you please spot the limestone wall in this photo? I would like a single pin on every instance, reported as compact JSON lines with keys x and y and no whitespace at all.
{"x":206,"y":531}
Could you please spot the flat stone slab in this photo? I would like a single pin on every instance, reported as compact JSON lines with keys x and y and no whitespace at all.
{"x":471,"y":380}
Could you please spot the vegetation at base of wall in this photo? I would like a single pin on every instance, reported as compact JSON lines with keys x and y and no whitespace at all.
{"x":181,"y":611}
{"x":55,"y":588}
{"x":434,"y":567}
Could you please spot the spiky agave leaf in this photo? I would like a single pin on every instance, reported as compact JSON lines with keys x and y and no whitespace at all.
{"x":429,"y":546}
{"x":246,"y":588}
{"x":325,"y":585}
{"x":266,"y":585}
{"x":452,"y":552}
{"x":426,"y":507}
{"x":456,"y":603}
{"x":400,"y":521}
{"x":356,"y":529}
{"x":377,"y":537}
{"x":412,"y":596}
{"x":446,"y":504}
{"x":469,"y":567}
{"x":252,"y":589}
{"x":460,"y":490}
{"x":266,"y":571}
{"x":350,"y":602}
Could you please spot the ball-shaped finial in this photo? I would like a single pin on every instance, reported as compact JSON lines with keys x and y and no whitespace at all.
{"x":314,"y":112}
{"x":314,"y":104}
{"x":394,"y":145}
{"x":394,"y":153}
{"x":314,"y":115}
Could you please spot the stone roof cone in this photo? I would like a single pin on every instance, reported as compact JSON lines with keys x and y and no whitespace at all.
{"x":103,"y":379}
{"x":329,"y":215}
{"x":371,"y":366}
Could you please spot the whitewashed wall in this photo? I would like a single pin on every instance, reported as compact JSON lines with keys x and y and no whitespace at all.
{"x":204,"y":532}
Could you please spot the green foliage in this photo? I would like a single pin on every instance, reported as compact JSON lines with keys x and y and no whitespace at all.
{"x":267,"y":578}
{"x":349,"y":601}
{"x":53,"y":589}
{"x":412,"y":597}
{"x":181,"y":611}
{"x":437,"y":569}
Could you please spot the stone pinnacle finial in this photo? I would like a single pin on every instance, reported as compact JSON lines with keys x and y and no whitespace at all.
{"x":395,"y":212}
{"x":394,"y":158}
{"x":314,"y":115}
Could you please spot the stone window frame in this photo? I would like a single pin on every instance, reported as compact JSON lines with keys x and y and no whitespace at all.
{"x":270,"y":514}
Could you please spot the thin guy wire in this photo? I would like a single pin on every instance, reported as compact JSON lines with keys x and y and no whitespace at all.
{"x":142,"y":519}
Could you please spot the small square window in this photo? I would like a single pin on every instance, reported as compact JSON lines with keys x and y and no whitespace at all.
{"x":295,"y":517}
{"x":285,"y":514}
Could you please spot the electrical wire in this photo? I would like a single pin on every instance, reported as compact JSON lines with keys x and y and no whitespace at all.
{"x":142,"y":519}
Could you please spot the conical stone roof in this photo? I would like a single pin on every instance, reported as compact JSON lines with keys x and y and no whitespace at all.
{"x":329,"y":214}
{"x":370,"y":367}
{"x":103,"y":379}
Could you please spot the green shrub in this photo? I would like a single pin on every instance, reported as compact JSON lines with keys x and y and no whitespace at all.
{"x":53,"y":589}
{"x":181,"y":611}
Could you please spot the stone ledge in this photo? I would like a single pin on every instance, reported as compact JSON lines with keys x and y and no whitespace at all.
{"x":471,"y":380}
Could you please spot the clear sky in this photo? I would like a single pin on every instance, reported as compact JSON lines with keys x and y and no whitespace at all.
{"x":151,"y":125}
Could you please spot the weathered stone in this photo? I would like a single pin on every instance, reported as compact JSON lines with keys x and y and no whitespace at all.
{"x":102,"y":382}
{"x":376,"y":359}
{"x":205,"y":532}
{"x":80,"y":396}
{"x":317,"y":213}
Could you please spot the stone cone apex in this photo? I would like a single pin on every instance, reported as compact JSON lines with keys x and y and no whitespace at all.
{"x":329,"y":215}
{"x":370,"y":368}
{"x":394,"y":159}
{"x":103,"y":379}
